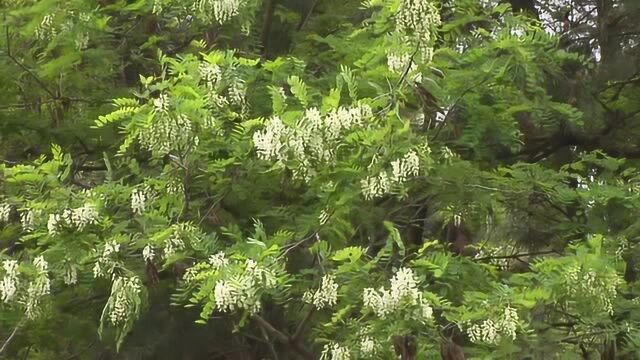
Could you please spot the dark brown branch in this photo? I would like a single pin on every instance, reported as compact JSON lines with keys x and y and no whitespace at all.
{"x":307,"y":16}
{"x":266,"y":27}
{"x":303,"y":325}
{"x":270,"y":329}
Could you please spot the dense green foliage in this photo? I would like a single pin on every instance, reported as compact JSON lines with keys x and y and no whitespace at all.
{"x":244,"y":179}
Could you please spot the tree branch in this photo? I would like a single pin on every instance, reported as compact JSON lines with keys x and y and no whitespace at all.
{"x":25,"y":68}
{"x":11,"y":336}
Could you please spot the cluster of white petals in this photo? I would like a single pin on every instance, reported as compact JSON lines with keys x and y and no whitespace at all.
{"x":148,"y":254}
{"x":491,"y":332}
{"x":9,"y":283}
{"x":140,"y":199}
{"x":27,"y":219}
{"x":105,"y":263}
{"x":368,"y":346}
{"x":77,"y":218}
{"x":313,"y":139}
{"x":5,"y":211}
{"x":597,"y":287}
{"x":45,"y":30}
{"x":241,"y":291}
{"x":333,"y":351}
{"x":165,"y":132}
{"x":218,"y":260}
{"x":416,"y":21}
{"x":326,"y":295}
{"x":220,"y":11}
{"x":401,"y":170}
{"x":37,"y":288}
{"x":402,"y":294}
{"x":70,"y":274}
{"x":124,"y":300}
{"x":398,"y":63}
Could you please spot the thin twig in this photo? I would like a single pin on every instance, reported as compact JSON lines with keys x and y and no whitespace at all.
{"x":307,"y":16}
{"x":24,"y":67}
{"x":516,"y":256}
{"x":10,"y":338}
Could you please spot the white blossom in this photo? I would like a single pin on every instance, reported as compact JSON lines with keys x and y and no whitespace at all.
{"x":225,"y":10}
{"x":403,"y":293}
{"x":375,"y":186}
{"x":368,"y":346}
{"x":27,"y":219}
{"x":148,"y":254}
{"x":210,"y":74}
{"x":124,"y":300}
{"x":138,"y":201}
{"x":415,"y":21}
{"x":241,"y":291}
{"x":333,"y":351}
{"x":398,"y":63}
{"x":9,"y":283}
{"x":83,"y":216}
{"x":218,"y":260}
{"x":406,"y":167}
{"x":326,"y":295}
{"x":70,"y":274}
{"x":491,"y":332}
{"x":5,"y":211}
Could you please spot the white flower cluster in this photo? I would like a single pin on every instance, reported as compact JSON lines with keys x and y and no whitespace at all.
{"x":9,"y":283}
{"x":401,"y":170}
{"x":140,"y":198}
{"x":220,"y":11}
{"x":333,"y":351}
{"x":404,"y":168}
{"x":491,"y":332}
{"x":148,"y":254}
{"x":210,"y":74}
{"x":598,"y":288}
{"x":166,"y":132}
{"x":77,"y":218}
{"x":27,"y":219}
{"x":45,"y":30}
{"x":325,"y":296}
{"x":403,"y":293}
{"x":105,"y":264}
{"x":176,"y":242}
{"x":37,"y":288}
{"x":218,"y":260}
{"x":368,"y":346}
{"x":70,"y":274}
{"x":397,"y":64}
{"x":241,"y":291}
{"x":5,"y":211}
{"x":415,"y":21}
{"x":124,"y":300}
{"x":313,"y":139}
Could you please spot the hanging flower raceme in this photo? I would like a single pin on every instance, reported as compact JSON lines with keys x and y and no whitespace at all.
{"x":37,"y":288}
{"x":5,"y":211}
{"x":401,"y":170}
{"x":76,"y":219}
{"x":491,"y":331}
{"x":312,"y":140}
{"x":403,"y":294}
{"x":9,"y":283}
{"x":333,"y":351}
{"x":124,"y":302}
{"x":416,"y":21}
{"x":325,"y":296}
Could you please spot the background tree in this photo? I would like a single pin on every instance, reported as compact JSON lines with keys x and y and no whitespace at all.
{"x":323,"y":179}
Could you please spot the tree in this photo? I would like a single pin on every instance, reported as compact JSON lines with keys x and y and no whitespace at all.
{"x":334,"y":180}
